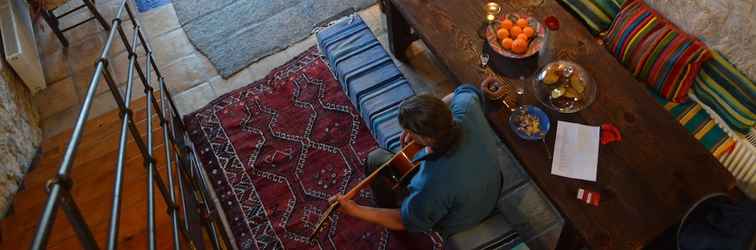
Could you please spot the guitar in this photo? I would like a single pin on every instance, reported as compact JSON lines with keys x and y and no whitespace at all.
{"x":401,"y":162}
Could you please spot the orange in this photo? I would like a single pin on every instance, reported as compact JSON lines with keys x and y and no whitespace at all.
{"x":502,"y":33}
{"x":522,"y":22}
{"x":522,"y":36}
{"x":519,"y":46}
{"x":506,"y":43}
{"x":506,"y":24}
{"x":528,"y":31}
{"x":516,"y":30}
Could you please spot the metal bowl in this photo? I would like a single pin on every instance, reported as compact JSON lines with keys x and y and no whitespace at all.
{"x":565,"y":87}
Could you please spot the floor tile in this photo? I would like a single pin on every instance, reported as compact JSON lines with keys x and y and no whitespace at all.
{"x":117,"y":46}
{"x":187,"y":72}
{"x":160,"y":20}
{"x":82,"y":79}
{"x":84,"y":54}
{"x":374,"y":18}
{"x":83,"y":31}
{"x":119,"y":64}
{"x":108,"y":9}
{"x":56,"y":98}
{"x":243,"y":78}
{"x":194,"y":98}
{"x":171,"y":46}
{"x":55,"y":67}
{"x":425,"y":64}
{"x":47,"y":42}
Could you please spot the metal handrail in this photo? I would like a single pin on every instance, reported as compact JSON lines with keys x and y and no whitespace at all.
{"x":209,"y":214}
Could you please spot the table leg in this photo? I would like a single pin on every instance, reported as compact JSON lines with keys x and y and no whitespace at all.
{"x":54,"y":25}
{"x":399,"y":32}
{"x":93,"y":9}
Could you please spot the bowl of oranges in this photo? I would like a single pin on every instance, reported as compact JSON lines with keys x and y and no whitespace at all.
{"x":516,"y":36}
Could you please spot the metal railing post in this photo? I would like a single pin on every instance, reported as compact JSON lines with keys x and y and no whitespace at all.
{"x":150,"y":174}
{"x":126,"y":114}
{"x":208,"y":220}
{"x":175,"y":138}
{"x":169,"y":171}
{"x":73,"y":213}
{"x":228,"y":237}
{"x":46,"y":219}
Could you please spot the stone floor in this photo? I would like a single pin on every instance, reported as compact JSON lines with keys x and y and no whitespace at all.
{"x":190,"y":77}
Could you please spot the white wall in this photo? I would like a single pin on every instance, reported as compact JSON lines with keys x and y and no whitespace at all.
{"x":728,"y":26}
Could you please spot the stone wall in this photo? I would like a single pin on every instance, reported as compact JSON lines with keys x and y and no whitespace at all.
{"x":20,"y":134}
{"x":728,"y":26}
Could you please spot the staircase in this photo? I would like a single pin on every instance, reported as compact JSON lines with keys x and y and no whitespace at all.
{"x":126,"y":179}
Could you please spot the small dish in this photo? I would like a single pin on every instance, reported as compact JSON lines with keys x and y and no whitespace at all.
{"x":529,"y":122}
{"x":493,"y":90}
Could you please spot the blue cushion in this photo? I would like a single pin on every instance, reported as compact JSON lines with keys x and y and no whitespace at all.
{"x":386,"y":129}
{"x":382,"y":99}
{"x":367,"y":75}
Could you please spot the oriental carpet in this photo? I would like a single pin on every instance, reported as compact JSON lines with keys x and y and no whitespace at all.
{"x":275,"y":151}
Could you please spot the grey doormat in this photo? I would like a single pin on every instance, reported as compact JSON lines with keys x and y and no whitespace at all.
{"x":236,"y":33}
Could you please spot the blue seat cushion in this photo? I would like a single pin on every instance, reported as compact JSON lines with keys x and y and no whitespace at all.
{"x":385,"y":98}
{"x":367,"y":75}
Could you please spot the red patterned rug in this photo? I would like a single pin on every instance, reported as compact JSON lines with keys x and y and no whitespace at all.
{"x":276,"y":150}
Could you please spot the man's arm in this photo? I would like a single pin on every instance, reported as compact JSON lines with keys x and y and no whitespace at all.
{"x":389,"y":218}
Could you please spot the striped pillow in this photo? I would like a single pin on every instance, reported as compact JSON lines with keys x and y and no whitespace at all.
{"x":655,"y":51}
{"x":731,"y":94}
{"x":597,"y":14}
{"x":699,"y":124}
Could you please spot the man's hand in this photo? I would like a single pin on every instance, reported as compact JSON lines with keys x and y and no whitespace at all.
{"x":405,"y":138}
{"x":345,"y":205}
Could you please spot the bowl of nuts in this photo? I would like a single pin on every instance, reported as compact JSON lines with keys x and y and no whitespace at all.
{"x":564,"y":86}
{"x":529,"y":122}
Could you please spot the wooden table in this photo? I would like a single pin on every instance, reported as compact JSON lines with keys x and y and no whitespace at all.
{"x":647,"y":181}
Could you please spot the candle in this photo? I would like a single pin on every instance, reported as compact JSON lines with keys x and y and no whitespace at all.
{"x":492,"y":9}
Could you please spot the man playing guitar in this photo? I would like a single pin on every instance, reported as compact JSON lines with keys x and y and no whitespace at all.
{"x":458,"y":181}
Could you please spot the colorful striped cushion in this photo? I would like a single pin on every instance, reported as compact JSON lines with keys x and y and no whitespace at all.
{"x":597,"y":14}
{"x":692,"y":116}
{"x":728,"y":92}
{"x":655,"y":51}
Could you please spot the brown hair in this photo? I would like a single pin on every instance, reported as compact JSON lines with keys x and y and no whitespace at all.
{"x":428,"y":116}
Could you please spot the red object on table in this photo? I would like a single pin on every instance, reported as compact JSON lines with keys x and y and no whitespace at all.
{"x":552,"y":23}
{"x":589,"y":197}
{"x":609,"y":133}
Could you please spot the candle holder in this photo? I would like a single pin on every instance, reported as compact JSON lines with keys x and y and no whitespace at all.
{"x":492,"y":10}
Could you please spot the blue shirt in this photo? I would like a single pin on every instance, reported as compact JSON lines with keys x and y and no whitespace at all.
{"x":456,"y":191}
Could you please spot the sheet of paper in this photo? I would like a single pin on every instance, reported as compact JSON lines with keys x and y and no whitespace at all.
{"x":576,"y":151}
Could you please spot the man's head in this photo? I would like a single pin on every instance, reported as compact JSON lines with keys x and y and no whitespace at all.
{"x":428,"y":121}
